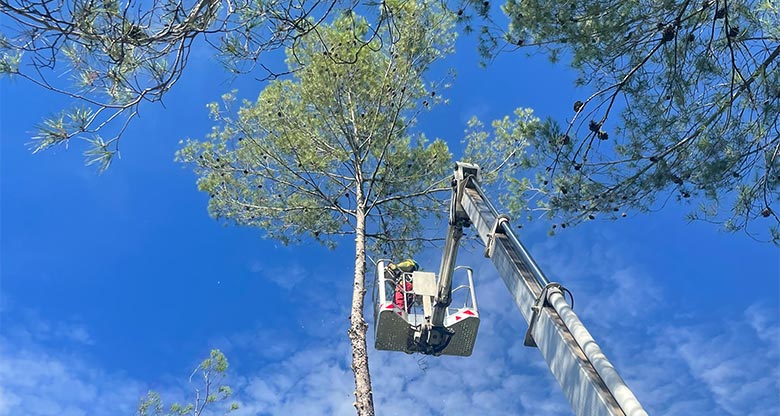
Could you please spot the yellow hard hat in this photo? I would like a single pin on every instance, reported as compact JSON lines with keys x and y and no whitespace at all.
{"x":414,"y":263}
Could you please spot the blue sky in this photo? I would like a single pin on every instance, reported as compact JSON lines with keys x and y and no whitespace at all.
{"x":114,"y":284}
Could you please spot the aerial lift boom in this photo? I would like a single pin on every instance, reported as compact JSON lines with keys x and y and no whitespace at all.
{"x":589,"y":381}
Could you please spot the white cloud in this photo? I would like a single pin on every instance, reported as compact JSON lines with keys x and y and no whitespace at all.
{"x":609,"y":288}
{"x":285,"y":277}
{"x":763,"y":320}
{"x":736,"y":364}
{"x":38,"y":383}
{"x":43,"y":371}
{"x":33,"y":329}
{"x":309,"y":381}
{"x":679,"y":364}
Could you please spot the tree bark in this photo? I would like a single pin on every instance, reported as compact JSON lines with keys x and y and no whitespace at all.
{"x":364,"y":400}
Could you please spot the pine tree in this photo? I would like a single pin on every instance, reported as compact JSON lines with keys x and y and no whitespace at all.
{"x":330,"y":152}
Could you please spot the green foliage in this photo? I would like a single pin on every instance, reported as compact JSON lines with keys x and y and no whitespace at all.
{"x":120,"y":55}
{"x":9,"y":63}
{"x":60,"y":129}
{"x":333,"y":142}
{"x":211,"y":372}
{"x":100,"y":153}
{"x":695,"y":86}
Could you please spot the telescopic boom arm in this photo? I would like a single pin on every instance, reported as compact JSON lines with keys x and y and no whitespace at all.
{"x":589,"y":381}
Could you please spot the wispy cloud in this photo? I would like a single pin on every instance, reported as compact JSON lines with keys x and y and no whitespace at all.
{"x":735,"y":360}
{"x":315,"y":380}
{"x":678,"y":360}
{"x":33,"y":329}
{"x":47,"y":382}
{"x":43,"y":371}
{"x":680,"y":363}
{"x":285,"y":277}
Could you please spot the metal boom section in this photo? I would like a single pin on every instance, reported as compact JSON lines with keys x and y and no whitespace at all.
{"x":589,"y":381}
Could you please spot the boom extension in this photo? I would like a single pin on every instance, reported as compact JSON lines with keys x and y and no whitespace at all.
{"x":589,"y":381}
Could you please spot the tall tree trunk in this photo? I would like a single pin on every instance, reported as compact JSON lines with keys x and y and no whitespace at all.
{"x":364,"y":401}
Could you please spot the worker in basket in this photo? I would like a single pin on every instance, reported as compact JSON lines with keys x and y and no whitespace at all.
{"x":402,"y":285}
